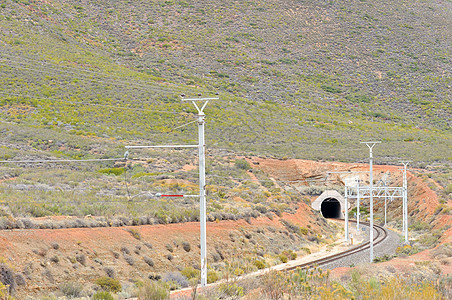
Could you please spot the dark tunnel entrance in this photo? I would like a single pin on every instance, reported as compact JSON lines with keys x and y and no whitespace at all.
{"x":331,"y":208}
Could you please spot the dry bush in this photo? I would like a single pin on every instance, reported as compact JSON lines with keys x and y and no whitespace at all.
{"x":125,"y":250}
{"x":41,"y":252}
{"x":186,"y":246}
{"x":148,"y":260}
{"x":71,"y":289}
{"x":175,"y":277}
{"x":129,"y":259}
{"x":134,"y":232}
{"x":7,"y":278}
{"x":110,"y":272}
{"x":169,"y":248}
{"x":442,"y":251}
{"x":81,"y":258}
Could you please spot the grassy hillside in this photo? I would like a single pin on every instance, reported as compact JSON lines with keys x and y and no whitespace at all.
{"x":300,"y":79}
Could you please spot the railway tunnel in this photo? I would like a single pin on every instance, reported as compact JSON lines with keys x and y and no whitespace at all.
{"x":331,"y":208}
{"x":331,"y":204}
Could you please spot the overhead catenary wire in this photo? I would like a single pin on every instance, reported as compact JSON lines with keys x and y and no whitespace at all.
{"x":125,"y":201}
{"x":61,"y":160}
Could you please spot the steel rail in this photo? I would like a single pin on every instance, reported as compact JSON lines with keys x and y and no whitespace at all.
{"x":382,"y":233}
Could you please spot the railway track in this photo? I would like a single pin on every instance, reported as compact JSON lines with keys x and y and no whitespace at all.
{"x":381,"y":235}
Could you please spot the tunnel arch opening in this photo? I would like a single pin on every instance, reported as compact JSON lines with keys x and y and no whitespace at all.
{"x":331,"y":208}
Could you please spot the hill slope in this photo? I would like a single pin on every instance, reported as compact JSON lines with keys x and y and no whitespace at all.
{"x":296,"y":78}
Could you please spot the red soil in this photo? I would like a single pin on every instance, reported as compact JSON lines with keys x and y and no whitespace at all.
{"x":100,"y":243}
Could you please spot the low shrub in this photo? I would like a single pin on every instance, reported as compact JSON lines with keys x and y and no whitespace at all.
{"x":129,"y":259}
{"x":259,"y":264}
{"x":242,"y":164}
{"x":383,"y":258}
{"x":290,"y":254}
{"x":148,"y":260}
{"x":81,"y":258}
{"x":7,"y":278}
{"x":71,"y":289}
{"x":4,"y":294}
{"x":134,"y":232}
{"x":212,"y":276}
{"x":153,"y":290}
{"x":110,"y":272}
{"x":109,"y":284}
{"x":430,"y":239}
{"x":443,"y":251}
{"x":231,"y":289}
{"x":102,"y":295}
{"x":20,"y":279}
{"x":186,"y":246}
{"x":283,"y":258}
{"x":169,"y":248}
{"x":112,"y":171}
{"x":190,"y":272}
{"x":175,"y":277}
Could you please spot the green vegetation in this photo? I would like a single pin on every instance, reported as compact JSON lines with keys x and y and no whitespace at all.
{"x":97,"y":77}
{"x":71,"y":289}
{"x":109,"y":284}
{"x":84,"y":87}
{"x":316,"y":284}
{"x":102,"y":295}
{"x":152,"y":290}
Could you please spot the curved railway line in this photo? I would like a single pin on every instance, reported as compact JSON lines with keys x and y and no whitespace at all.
{"x":381,"y":235}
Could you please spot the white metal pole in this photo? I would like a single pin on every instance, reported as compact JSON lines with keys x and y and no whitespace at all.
{"x":202,"y":183}
{"x":405,"y":202}
{"x":202,"y":197}
{"x":371,"y":207}
{"x":403,"y":206}
{"x":346,"y":215}
{"x":357,"y":206}
{"x":386,"y":200}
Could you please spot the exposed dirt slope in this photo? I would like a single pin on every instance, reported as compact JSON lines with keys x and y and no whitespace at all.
{"x":83,"y":254}
{"x":48,"y":257}
{"x":422,"y":199}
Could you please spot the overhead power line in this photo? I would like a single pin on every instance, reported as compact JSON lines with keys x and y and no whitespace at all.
{"x":61,"y":160}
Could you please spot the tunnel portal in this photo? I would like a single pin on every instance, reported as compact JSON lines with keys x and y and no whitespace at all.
{"x":331,"y":208}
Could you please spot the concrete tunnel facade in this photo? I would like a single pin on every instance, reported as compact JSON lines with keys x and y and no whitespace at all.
{"x":331,"y":204}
